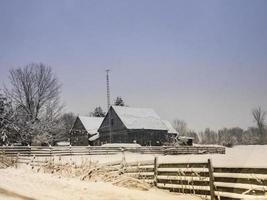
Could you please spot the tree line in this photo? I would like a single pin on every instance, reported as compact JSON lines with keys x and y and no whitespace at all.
{"x":229,"y":136}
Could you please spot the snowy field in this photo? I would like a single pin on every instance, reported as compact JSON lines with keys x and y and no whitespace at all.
{"x":25,"y":184}
{"x":238,"y":156}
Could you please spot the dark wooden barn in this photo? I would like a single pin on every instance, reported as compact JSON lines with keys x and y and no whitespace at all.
{"x":85,"y":131}
{"x":134,"y":125}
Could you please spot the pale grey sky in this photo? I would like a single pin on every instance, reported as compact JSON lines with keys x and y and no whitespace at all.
{"x":201,"y":61}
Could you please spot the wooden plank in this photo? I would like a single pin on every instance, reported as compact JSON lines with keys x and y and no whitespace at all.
{"x":177,"y":186}
{"x":140,"y":163}
{"x":238,"y":196}
{"x":245,"y":170}
{"x":187,"y":178}
{"x":155,"y":170}
{"x":184,"y":165}
{"x":241,"y":175}
{"x":184,"y":182}
{"x":136,"y":170}
{"x":242,"y":181}
{"x":211,"y":180}
{"x":241,"y":186}
{"x":183,"y":170}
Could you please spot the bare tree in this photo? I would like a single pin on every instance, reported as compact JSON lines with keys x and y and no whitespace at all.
{"x":259,"y":117}
{"x":35,"y":95}
{"x":35,"y":89}
{"x":180,"y":126}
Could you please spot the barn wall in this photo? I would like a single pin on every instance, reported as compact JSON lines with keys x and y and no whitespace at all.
{"x":116,"y":123}
{"x":120,"y":134}
{"x":117,"y":129}
{"x":147,"y":137}
{"x":78,"y":134}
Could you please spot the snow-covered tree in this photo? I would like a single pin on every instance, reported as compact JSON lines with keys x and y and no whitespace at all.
{"x":119,"y":102}
{"x":230,"y":136}
{"x":98,"y":112}
{"x":209,"y":137}
{"x":180,"y":126}
{"x":35,"y":94}
{"x":259,"y":117}
{"x":7,"y":121}
{"x":65,"y":123}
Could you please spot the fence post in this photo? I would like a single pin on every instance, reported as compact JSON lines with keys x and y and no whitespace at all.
{"x":4,"y":153}
{"x":17,"y":160}
{"x":155,"y":170}
{"x":50,"y":150}
{"x":29,"y":150}
{"x":70,"y":149}
{"x":211,"y":182}
{"x":32,"y":162}
{"x":88,"y":149}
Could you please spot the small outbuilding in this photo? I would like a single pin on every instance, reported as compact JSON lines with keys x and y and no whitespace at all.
{"x":85,"y":131}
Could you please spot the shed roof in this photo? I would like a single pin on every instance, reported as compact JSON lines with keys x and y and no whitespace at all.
{"x":139,"y":118}
{"x":91,"y":124}
{"x":170,"y":127}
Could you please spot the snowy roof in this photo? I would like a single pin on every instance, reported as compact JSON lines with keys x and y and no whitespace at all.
{"x":94,"y":137}
{"x":91,"y":124}
{"x":170,"y":127}
{"x":139,"y":118}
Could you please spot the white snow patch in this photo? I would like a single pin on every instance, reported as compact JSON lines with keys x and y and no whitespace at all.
{"x":133,"y":145}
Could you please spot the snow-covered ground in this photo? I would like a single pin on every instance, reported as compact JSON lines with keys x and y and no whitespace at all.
{"x":24,"y":184}
{"x":238,"y":156}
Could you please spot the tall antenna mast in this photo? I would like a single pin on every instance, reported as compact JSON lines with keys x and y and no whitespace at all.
{"x":108,"y":90}
{"x":108,"y":104}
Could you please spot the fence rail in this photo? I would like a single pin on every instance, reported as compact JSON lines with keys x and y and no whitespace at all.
{"x":203,"y":179}
{"x":98,"y":150}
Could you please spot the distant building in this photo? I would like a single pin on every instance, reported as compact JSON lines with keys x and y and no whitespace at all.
{"x":134,"y":125}
{"x":85,"y":131}
{"x":185,"y":140}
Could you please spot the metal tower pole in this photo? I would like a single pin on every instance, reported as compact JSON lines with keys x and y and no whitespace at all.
{"x":108,"y":90}
{"x":108,"y":105}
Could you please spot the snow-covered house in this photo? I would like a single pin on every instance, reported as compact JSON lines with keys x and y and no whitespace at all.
{"x":85,"y":130}
{"x":128,"y":125}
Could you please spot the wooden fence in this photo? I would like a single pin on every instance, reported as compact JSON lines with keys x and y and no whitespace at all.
{"x":203,"y":179}
{"x":98,"y":150}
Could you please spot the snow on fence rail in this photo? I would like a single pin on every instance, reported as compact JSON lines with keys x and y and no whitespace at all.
{"x":202,"y":179}
{"x":99,"y":150}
